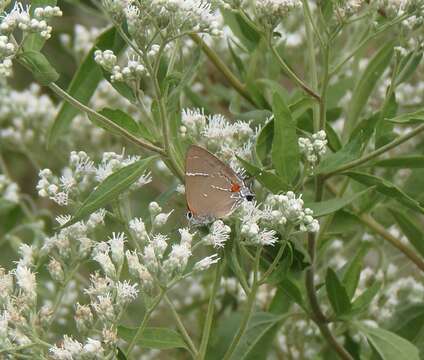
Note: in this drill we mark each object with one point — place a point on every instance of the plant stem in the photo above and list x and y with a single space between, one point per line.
61 292
210 312
145 320
274 263
379 229
312 60
182 328
104 120
292 74
378 152
249 308
221 66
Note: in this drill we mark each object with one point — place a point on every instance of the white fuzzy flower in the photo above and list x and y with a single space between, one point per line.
177 258
206 263
161 219
26 280
93 348
106 263
125 292
219 234
138 227
116 243
159 243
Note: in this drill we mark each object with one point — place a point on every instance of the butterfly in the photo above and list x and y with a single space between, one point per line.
213 189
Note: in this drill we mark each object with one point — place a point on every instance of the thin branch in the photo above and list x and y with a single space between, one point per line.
292 74
378 152
104 120
221 66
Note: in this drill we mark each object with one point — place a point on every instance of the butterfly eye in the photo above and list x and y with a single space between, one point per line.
249 197
189 215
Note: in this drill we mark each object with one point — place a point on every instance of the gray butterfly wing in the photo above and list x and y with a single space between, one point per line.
208 184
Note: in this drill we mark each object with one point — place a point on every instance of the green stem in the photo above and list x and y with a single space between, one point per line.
312 60
274 264
292 74
308 15
210 312
223 68
378 152
182 328
249 308
144 322
105 121
61 292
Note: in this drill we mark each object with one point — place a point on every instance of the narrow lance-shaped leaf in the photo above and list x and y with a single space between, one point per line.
336 293
153 338
353 271
389 345
400 162
362 302
285 148
84 82
327 207
409 118
411 228
125 121
268 179
259 326
40 67
110 188
386 188
368 81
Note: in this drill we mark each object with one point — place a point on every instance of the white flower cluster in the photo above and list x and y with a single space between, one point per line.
18 298
252 225
176 16
270 12
227 140
20 18
313 149
25 117
218 235
152 262
131 72
81 175
9 190
73 349
287 209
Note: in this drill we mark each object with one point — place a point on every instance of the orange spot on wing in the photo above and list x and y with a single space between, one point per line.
235 187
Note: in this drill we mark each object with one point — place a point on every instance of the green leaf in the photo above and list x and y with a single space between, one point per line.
84 83
247 35
34 41
327 207
408 65
259 327
400 162
285 148
110 188
346 154
411 228
121 354
408 322
386 188
292 290
121 87
408 118
362 302
153 337
353 271
389 345
334 142
268 179
337 294
125 121
40 67
368 82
